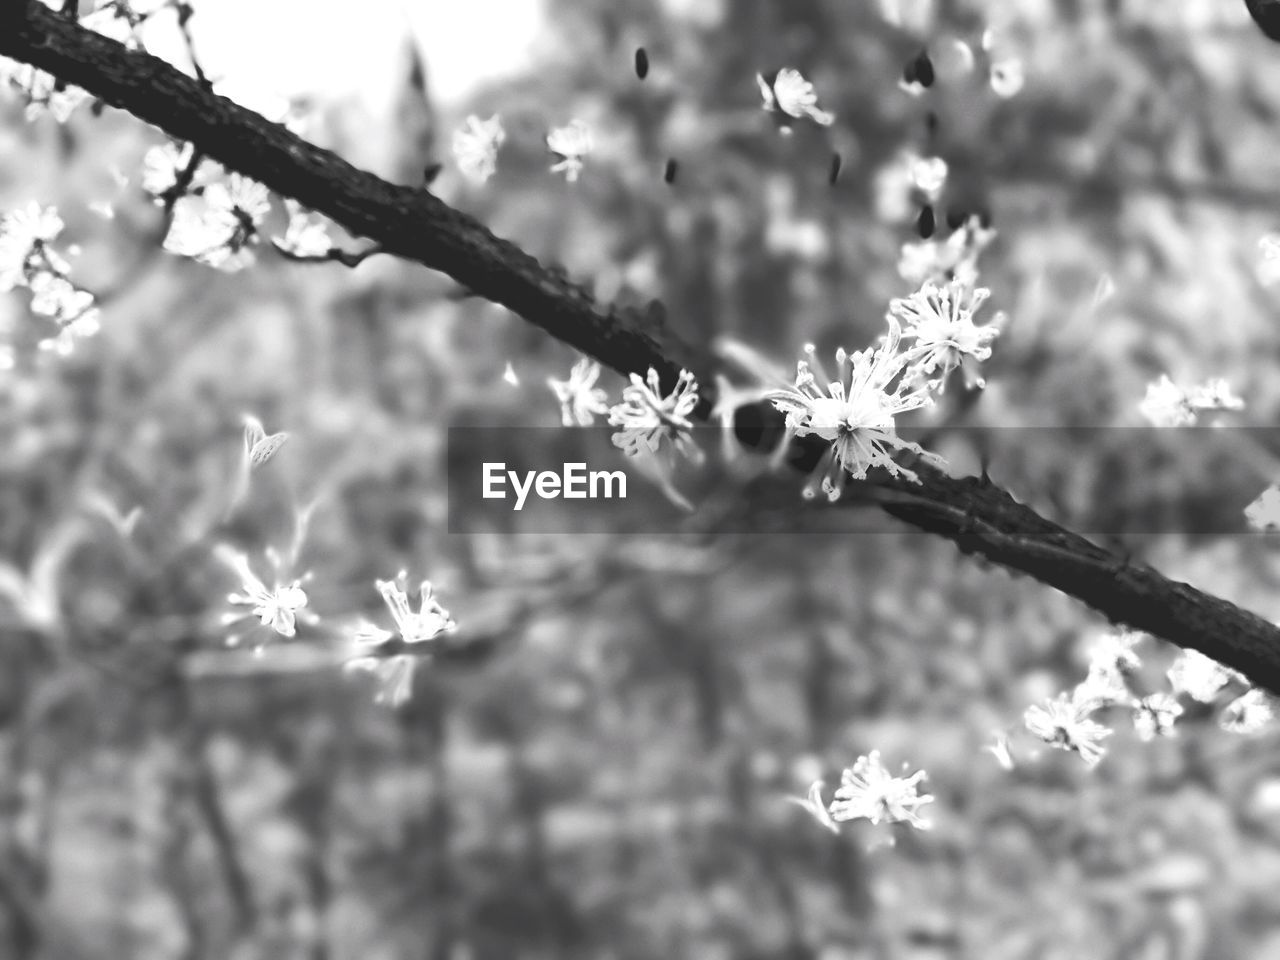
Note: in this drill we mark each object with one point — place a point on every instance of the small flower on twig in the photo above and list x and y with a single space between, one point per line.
392 657
307 235
855 411
939 319
648 418
1201 678
220 226
278 608
27 258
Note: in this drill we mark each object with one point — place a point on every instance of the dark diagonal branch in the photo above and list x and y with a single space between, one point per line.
407 222
410 223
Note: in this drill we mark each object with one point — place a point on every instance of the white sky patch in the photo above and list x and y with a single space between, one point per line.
328 49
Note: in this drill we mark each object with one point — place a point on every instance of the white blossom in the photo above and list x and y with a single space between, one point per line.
1063 722
929 174
307 233
648 418
1246 714
1165 404
940 321
1168 405
1214 394
1199 677
580 399
57 298
28 259
42 91
390 657
856 411
219 227
792 95
1113 651
164 164
23 233
868 791
476 145
570 143
278 607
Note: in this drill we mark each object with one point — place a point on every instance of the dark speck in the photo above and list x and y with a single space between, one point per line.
834 174
924 69
669 174
925 223
642 63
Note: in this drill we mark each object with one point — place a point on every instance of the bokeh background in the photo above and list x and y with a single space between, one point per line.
601 770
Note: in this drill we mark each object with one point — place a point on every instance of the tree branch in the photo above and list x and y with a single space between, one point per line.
412 224
407 222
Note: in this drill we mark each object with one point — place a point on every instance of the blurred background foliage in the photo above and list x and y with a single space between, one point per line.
601 770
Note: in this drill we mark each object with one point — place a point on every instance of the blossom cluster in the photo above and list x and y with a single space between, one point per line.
1070 721
28 259
930 334
219 226
1168 405
390 656
477 142
654 426
43 92
266 608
